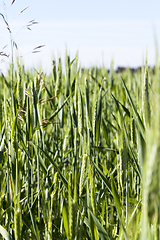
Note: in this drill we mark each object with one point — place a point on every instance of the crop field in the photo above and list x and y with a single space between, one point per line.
80 153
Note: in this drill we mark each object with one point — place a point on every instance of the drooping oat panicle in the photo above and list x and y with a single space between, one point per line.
4 19
23 10
12 2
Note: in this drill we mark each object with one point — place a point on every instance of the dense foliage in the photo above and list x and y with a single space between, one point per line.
79 153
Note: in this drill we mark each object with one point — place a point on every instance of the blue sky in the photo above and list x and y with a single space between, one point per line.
99 30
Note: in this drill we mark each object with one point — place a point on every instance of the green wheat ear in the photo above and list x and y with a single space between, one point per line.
70 207
80 113
133 131
83 174
94 122
92 187
17 219
59 78
74 116
87 100
19 87
145 98
67 75
54 73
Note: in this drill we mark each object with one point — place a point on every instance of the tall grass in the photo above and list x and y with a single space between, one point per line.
79 154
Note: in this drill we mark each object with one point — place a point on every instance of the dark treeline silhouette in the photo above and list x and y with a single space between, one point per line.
133 70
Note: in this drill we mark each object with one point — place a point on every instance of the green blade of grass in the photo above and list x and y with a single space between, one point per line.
65 217
4 233
56 167
137 117
102 176
118 204
59 109
35 227
133 158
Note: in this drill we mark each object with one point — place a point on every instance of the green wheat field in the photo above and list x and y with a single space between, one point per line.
80 153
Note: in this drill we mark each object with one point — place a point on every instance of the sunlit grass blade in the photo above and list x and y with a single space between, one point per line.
56 167
136 115
5 234
118 205
59 109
